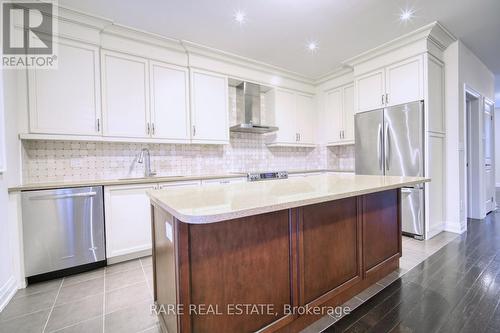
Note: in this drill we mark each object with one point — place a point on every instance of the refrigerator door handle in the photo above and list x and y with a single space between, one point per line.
387 146
379 146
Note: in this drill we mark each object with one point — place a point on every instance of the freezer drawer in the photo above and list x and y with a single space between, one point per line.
412 212
62 228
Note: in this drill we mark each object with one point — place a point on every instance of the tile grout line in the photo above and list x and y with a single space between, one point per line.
147 281
53 306
74 324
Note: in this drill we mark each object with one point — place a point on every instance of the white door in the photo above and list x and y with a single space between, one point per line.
348 113
125 96
67 100
305 118
489 157
404 81
169 102
209 109
370 91
285 117
334 116
128 219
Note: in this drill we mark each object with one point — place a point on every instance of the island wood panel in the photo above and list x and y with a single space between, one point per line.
330 248
381 228
165 258
243 261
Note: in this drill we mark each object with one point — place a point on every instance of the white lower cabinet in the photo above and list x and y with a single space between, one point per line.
128 219
224 181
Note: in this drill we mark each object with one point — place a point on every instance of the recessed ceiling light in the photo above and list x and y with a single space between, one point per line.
312 46
240 16
406 14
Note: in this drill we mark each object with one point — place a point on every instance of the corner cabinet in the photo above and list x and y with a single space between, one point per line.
399 83
209 108
340 115
294 115
67 100
128 219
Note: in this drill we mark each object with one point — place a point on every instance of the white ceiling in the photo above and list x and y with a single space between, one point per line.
277 31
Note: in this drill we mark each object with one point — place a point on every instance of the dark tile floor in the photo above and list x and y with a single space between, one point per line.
457 289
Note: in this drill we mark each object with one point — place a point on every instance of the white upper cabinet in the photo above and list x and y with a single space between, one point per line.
305 117
67 100
340 115
294 115
209 108
348 113
125 95
333 116
370 91
404 81
283 105
169 102
395 84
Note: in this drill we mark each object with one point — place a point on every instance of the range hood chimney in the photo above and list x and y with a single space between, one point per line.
248 112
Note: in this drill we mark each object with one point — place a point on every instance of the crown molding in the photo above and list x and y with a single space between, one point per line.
212 53
434 32
338 72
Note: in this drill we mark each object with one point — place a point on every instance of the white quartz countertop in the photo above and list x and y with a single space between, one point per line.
215 203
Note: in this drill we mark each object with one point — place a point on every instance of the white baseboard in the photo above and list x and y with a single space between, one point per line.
457 228
435 230
129 256
7 291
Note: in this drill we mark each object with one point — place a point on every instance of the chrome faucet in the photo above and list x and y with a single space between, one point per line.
147 163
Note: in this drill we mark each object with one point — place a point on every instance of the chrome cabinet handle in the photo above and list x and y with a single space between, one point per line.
148 130
98 125
382 99
153 128
387 146
379 146
194 130
387 98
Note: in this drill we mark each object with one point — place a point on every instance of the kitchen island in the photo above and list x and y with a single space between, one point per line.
274 255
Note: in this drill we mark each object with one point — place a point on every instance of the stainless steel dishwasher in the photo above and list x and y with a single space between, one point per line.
63 232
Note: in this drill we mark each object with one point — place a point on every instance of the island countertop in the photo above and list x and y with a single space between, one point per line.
216 203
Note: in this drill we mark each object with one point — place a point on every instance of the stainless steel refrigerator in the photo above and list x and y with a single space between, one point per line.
390 141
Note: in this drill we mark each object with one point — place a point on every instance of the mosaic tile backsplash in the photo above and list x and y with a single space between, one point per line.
46 161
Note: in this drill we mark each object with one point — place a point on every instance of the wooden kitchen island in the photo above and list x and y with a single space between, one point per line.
254 256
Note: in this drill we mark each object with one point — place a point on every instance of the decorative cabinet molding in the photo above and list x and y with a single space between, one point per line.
399 83
294 115
209 108
340 115
67 100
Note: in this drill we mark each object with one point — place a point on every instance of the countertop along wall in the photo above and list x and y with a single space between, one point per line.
47 161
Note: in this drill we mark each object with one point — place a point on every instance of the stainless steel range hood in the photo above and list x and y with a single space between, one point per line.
248 110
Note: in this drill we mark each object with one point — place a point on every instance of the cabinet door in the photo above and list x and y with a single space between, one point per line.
404 81
334 116
370 89
305 118
285 117
348 113
210 115
128 219
125 96
169 102
67 100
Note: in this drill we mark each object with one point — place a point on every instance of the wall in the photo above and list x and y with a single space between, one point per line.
45 161
9 245
462 68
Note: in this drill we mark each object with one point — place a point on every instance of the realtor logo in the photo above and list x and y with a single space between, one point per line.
28 34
